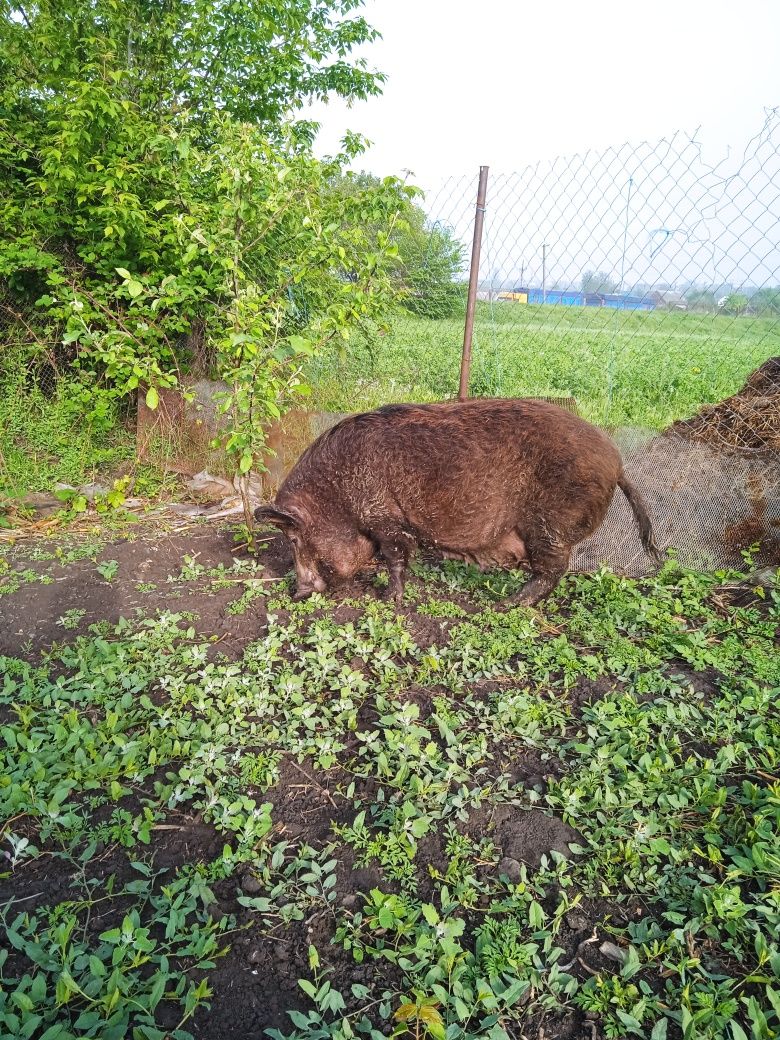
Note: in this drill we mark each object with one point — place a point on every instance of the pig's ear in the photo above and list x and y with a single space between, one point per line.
278 517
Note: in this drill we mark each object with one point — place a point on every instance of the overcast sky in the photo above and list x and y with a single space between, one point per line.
506 83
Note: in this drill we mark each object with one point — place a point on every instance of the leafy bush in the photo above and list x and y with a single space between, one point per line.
43 435
598 282
736 303
432 258
158 208
766 302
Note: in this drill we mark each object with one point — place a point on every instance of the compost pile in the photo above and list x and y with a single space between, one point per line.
747 423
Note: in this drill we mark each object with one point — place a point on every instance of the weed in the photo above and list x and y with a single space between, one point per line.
71 618
555 351
114 985
241 605
652 710
108 570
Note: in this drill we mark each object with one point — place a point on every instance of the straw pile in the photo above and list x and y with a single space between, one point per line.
747 423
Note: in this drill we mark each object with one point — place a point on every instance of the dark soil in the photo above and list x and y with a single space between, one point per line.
28 618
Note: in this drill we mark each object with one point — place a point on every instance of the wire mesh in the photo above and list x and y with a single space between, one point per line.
644 283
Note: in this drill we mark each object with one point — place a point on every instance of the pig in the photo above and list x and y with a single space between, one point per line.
497 482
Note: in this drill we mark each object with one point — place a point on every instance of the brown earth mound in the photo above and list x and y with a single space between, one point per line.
748 422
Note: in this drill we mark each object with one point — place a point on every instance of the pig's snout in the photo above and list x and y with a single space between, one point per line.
306 589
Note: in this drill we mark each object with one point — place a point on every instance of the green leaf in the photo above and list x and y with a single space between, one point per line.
22 1001
158 988
774 999
135 288
430 914
55 1032
386 917
420 826
308 988
686 1021
144 1032
152 398
632 964
630 1022
659 1030
299 1020
97 967
535 914
259 903
123 273
300 345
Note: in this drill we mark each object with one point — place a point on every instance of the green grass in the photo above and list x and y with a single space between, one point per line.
624 369
44 440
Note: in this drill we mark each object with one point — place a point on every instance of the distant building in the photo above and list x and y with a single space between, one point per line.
576 298
669 298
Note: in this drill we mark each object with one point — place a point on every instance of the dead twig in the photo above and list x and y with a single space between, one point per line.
587 967
24 899
313 783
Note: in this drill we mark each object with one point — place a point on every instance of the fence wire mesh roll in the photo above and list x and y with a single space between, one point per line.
641 285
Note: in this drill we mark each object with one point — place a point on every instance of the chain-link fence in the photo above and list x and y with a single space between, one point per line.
29 358
640 284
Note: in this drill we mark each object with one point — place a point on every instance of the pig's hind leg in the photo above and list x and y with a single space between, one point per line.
549 560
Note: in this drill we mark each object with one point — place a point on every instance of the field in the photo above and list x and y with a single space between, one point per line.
629 369
625 369
224 813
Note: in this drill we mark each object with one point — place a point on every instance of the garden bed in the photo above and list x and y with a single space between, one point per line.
224 807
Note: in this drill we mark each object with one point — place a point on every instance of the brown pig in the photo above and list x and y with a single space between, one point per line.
496 482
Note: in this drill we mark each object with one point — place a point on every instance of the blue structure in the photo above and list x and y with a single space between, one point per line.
624 302
575 298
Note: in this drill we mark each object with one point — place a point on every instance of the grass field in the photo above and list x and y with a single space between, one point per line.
624 369
222 812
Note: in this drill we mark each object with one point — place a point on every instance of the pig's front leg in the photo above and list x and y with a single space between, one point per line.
394 547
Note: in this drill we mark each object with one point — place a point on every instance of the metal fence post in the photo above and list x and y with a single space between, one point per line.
468 331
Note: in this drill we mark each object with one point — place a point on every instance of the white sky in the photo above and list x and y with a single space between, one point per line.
506 83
